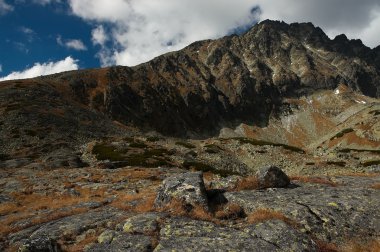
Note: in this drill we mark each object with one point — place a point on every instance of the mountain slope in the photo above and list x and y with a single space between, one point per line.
195 92
213 84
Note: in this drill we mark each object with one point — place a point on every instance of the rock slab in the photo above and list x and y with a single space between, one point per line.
186 187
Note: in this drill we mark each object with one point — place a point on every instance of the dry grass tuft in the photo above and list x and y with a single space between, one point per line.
247 183
177 207
376 186
230 211
145 201
326 247
314 180
78 247
264 214
372 246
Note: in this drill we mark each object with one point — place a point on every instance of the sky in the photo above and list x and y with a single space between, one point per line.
40 37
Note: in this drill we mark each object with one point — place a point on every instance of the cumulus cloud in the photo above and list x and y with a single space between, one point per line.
75 44
39 69
5 8
99 36
143 29
357 19
138 30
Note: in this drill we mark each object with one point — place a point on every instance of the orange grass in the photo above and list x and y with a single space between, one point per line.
372 246
314 180
376 186
247 183
264 214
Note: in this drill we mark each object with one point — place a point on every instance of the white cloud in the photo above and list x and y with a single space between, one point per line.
44 69
139 30
29 33
99 36
1 68
5 8
143 29
357 19
75 44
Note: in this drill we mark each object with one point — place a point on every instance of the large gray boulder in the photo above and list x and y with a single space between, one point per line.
272 177
186 187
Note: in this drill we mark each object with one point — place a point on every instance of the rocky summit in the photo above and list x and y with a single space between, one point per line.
265 141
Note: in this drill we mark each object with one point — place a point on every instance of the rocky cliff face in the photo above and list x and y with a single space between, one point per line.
216 83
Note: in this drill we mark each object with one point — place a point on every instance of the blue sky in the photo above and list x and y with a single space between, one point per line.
39 37
30 34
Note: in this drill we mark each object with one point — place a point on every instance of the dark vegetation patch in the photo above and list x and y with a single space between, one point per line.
375 112
108 152
342 133
370 162
185 144
152 139
212 148
337 163
121 157
4 157
137 145
348 150
257 142
31 133
199 166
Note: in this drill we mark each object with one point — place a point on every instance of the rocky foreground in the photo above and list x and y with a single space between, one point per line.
169 209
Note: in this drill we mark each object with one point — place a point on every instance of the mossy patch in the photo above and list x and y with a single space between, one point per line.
185 144
108 152
149 158
121 157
